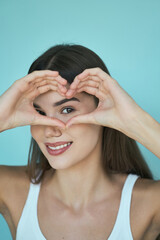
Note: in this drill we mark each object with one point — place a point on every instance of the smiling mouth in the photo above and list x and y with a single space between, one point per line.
57 150
60 146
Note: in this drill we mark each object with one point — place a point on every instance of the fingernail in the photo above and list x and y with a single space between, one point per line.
69 92
73 86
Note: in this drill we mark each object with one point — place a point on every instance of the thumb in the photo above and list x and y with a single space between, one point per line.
84 118
47 121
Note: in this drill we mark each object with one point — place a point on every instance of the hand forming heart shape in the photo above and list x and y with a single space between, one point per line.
115 109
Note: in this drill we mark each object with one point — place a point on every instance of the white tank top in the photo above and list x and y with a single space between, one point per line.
28 226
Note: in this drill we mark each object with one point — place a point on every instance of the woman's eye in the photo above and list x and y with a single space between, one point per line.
67 110
40 112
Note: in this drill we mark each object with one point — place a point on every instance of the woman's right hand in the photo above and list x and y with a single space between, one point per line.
16 104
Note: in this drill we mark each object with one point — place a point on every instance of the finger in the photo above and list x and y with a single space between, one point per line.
61 80
93 91
88 89
74 83
77 81
40 90
45 82
58 79
88 83
106 79
108 84
62 89
43 120
37 90
86 118
94 78
40 74
93 72
70 93
26 83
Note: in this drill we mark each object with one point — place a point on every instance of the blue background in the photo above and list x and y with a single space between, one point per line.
125 34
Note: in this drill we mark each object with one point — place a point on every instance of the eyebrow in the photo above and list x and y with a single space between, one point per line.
59 102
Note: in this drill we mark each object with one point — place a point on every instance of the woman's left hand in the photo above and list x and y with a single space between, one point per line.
116 109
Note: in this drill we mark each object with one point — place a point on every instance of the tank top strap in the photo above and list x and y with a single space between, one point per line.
122 228
127 191
28 219
33 194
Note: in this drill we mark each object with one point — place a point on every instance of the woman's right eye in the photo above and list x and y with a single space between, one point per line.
40 112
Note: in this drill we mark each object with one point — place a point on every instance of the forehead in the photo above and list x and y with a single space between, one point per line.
52 97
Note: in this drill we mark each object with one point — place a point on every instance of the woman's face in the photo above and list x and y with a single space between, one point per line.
65 148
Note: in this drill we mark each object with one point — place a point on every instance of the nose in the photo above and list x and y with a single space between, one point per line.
52 132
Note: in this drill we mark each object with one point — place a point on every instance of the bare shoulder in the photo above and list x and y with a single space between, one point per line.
149 187
148 193
154 194
14 182
145 208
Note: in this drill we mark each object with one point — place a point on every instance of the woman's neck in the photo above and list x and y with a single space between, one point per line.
81 184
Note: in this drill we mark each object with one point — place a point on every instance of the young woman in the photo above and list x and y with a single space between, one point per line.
86 178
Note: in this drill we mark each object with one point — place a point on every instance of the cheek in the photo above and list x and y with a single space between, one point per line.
36 132
87 136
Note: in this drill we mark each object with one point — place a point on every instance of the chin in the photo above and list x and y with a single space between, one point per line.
63 163
60 166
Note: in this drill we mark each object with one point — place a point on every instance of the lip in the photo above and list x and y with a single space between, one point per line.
57 151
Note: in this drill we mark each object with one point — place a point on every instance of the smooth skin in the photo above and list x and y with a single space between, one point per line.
17 102
116 109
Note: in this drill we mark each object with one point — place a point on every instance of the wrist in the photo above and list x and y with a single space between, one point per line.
3 126
146 130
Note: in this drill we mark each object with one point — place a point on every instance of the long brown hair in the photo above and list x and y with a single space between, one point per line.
120 154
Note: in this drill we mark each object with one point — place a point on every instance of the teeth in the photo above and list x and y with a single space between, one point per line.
59 147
